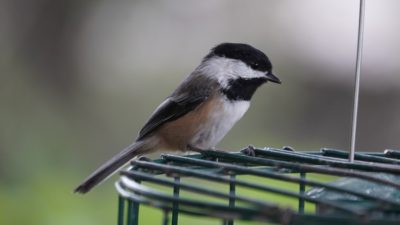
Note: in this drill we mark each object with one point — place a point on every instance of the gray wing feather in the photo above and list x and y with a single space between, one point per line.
190 94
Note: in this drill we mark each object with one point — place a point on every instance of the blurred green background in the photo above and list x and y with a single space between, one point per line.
79 79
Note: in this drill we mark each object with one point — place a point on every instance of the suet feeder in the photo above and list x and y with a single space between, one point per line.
219 184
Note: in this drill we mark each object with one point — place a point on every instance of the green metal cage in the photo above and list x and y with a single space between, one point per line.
320 187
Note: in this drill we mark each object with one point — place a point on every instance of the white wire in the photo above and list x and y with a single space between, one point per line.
357 78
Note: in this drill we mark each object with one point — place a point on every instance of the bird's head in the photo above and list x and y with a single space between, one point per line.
238 66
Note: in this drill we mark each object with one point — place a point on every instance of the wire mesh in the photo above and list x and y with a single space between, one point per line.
366 191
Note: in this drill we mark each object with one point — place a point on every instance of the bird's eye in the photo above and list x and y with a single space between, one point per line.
254 65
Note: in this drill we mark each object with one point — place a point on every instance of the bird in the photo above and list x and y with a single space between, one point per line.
201 110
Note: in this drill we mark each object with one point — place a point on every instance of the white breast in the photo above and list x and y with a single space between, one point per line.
219 123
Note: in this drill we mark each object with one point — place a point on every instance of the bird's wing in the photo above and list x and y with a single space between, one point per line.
189 95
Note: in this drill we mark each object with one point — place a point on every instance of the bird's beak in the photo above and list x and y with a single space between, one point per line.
271 77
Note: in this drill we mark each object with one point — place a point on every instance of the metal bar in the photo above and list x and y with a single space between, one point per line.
251 171
292 219
133 197
308 219
320 160
160 181
302 189
129 218
392 153
384 203
133 212
359 156
175 205
302 167
216 178
136 213
357 78
165 217
232 193
274 214
312 157
121 210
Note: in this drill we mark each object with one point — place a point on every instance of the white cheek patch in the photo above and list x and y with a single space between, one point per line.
224 69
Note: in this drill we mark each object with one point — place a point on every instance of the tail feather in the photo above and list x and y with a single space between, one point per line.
111 166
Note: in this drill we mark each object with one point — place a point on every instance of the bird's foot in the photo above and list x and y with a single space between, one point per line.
195 149
144 158
288 148
249 151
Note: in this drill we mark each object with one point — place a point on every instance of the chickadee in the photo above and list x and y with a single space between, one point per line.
201 110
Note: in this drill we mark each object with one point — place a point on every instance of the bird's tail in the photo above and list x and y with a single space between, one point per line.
112 165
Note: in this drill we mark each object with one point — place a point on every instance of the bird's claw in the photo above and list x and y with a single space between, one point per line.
249 151
144 158
288 148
